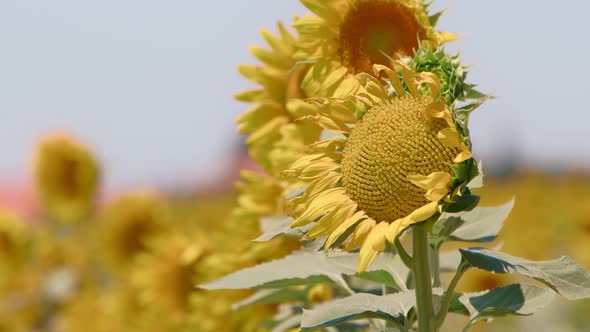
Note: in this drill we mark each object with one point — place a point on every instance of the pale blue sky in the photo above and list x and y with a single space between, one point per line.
149 83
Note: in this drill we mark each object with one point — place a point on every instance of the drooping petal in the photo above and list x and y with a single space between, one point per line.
342 228
374 243
436 184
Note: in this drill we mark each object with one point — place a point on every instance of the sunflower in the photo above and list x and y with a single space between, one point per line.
14 237
260 195
53 271
90 306
127 223
350 36
320 293
67 176
478 280
274 135
165 275
391 167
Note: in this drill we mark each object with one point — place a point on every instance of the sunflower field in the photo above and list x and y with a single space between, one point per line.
356 201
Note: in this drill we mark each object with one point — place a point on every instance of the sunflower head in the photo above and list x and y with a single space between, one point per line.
67 175
129 222
394 140
320 293
274 135
260 195
166 274
90 306
350 36
478 281
401 159
14 237
372 29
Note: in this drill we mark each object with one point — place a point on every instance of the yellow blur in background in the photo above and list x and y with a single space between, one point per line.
131 263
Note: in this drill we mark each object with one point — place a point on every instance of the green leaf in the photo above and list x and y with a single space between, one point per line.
444 227
562 275
381 277
287 317
456 306
516 299
465 110
267 296
463 203
435 17
289 323
392 307
278 225
472 93
303 267
300 268
477 180
482 224
388 269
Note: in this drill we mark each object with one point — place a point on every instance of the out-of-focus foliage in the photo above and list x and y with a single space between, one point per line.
551 218
67 176
132 263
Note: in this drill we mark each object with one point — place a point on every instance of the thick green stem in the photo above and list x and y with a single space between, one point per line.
446 302
422 280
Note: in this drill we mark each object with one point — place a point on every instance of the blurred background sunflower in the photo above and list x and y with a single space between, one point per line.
146 102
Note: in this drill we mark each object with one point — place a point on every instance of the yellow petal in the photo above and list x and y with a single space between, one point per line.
438 110
360 233
307 21
322 184
322 9
325 147
436 184
334 77
347 88
250 96
393 78
464 155
432 80
268 131
305 161
393 230
341 112
257 116
445 37
436 194
271 58
374 243
373 87
325 122
410 79
450 137
420 214
332 220
299 108
318 168
330 199
342 228
275 42
433 180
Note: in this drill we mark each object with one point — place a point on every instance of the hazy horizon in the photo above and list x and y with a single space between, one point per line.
148 84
